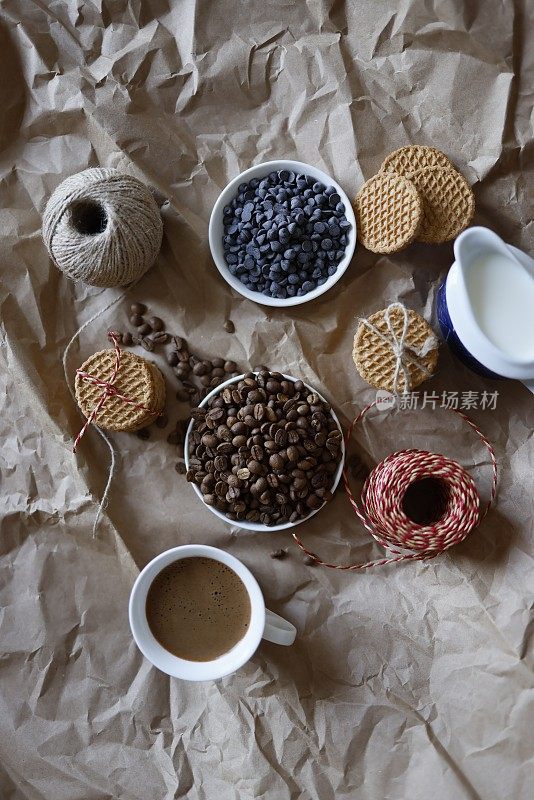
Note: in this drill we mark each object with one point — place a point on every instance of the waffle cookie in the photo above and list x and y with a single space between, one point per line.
448 203
388 213
138 380
376 349
406 160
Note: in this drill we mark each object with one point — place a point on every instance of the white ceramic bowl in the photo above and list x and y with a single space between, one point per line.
256 526
216 231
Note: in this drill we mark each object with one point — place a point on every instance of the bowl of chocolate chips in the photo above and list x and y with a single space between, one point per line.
264 451
282 233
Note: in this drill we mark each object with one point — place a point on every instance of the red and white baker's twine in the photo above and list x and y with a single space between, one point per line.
382 514
109 389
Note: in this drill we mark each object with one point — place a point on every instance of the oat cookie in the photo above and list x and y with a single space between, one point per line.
138 380
388 213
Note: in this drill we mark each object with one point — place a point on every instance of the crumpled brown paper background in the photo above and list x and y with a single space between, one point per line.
408 681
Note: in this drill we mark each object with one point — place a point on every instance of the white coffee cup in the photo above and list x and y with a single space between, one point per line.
263 623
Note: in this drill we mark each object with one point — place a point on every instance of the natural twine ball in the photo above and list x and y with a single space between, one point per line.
102 227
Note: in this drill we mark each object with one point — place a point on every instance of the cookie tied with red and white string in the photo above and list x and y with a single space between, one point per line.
119 391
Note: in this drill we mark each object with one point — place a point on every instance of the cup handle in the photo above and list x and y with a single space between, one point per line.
278 630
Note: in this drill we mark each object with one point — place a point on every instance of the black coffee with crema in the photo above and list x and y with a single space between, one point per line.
198 608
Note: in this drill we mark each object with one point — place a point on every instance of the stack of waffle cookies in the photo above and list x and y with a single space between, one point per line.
417 195
139 391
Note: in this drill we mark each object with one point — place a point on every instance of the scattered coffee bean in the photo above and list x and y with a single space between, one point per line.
127 339
181 469
143 434
281 553
145 329
160 337
229 326
148 344
162 421
156 324
137 320
138 308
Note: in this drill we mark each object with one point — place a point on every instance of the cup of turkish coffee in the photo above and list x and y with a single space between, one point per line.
197 613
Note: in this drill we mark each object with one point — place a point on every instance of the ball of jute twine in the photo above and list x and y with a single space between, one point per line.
102 227
381 510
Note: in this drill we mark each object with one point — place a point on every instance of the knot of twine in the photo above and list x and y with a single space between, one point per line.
382 513
102 227
109 389
403 353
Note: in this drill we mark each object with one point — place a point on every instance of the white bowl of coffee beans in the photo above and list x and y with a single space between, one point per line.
264 451
282 233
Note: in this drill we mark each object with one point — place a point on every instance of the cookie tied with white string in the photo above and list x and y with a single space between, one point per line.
395 349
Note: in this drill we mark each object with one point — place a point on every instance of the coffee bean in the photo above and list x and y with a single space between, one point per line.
138 308
229 326
145 329
160 338
162 421
181 470
200 368
280 553
137 320
148 344
276 461
243 474
144 434
179 343
156 323
280 437
230 366
218 362
127 339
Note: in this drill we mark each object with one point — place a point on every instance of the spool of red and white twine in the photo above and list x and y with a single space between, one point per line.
381 511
